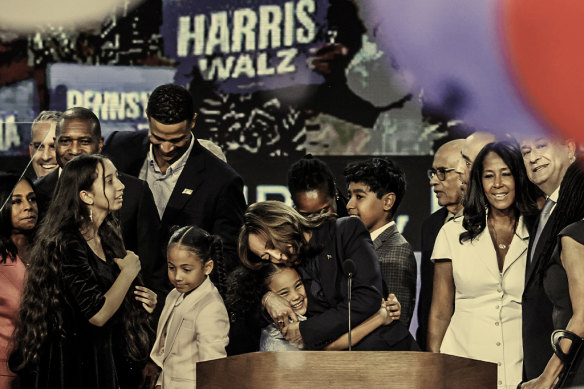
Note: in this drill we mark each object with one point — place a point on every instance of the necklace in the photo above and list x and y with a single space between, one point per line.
499 244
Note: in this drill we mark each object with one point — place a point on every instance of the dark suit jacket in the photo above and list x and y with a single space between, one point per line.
208 193
398 269
140 227
536 310
326 288
430 229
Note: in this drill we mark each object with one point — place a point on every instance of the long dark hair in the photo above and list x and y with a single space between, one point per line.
7 184
569 209
43 300
476 204
207 247
279 224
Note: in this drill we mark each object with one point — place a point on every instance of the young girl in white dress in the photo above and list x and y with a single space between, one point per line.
194 324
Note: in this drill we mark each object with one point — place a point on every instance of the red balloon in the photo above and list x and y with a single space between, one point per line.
544 42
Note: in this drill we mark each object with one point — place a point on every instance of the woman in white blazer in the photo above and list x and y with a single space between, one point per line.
480 266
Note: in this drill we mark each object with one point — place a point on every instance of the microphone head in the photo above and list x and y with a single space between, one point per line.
349 267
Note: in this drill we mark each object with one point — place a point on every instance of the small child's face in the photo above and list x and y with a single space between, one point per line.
371 210
186 270
288 284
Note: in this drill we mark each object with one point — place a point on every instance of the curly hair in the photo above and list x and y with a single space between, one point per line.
170 104
569 209
207 247
381 175
43 300
476 204
7 184
279 224
308 174
246 287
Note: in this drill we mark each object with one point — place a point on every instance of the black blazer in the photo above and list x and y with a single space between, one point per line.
430 229
326 288
140 227
208 193
537 325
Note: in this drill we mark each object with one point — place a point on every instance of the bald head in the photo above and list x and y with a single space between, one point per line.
471 147
448 190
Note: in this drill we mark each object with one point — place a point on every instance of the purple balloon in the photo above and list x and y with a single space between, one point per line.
454 50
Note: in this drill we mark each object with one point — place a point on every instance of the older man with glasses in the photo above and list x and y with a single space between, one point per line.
446 185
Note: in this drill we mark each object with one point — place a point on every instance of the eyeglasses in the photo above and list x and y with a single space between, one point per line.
440 173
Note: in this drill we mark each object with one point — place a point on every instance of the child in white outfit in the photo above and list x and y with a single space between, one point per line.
194 324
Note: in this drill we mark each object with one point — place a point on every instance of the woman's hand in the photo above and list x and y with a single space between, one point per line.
146 297
129 265
279 310
293 335
393 308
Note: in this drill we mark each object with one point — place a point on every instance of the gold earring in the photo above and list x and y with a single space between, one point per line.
91 214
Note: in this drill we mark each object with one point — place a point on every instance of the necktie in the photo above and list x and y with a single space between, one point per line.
543 218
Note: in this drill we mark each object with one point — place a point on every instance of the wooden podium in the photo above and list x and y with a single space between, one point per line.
346 369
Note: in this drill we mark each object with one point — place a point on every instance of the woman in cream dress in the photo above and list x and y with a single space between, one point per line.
480 266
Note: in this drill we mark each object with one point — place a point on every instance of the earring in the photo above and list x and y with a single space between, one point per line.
91 214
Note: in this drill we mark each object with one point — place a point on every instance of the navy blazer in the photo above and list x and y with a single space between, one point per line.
430 229
326 286
537 324
140 227
208 193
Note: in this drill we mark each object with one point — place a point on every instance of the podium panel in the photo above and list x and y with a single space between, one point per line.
344 369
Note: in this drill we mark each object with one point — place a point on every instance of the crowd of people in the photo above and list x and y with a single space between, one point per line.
125 263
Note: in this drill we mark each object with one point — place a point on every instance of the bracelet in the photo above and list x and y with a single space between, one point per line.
266 297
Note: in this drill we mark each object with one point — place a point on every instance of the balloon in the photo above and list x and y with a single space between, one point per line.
544 44
453 49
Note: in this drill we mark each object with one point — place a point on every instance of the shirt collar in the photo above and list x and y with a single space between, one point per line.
380 230
554 195
177 165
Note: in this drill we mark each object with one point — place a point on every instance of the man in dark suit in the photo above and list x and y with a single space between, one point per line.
376 188
546 161
79 132
446 186
190 185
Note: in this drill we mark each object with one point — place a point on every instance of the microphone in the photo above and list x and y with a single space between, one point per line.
349 269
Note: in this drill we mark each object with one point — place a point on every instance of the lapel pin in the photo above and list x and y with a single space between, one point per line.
329 256
187 192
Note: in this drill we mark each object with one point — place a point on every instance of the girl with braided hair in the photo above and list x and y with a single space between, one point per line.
194 325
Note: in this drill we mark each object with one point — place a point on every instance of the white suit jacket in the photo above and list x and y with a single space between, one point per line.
198 331
486 323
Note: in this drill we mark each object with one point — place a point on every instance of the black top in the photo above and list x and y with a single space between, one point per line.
82 355
556 280
556 286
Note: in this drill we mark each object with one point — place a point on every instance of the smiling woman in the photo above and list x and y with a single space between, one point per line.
18 218
480 265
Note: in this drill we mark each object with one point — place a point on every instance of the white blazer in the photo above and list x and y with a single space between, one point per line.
486 323
198 331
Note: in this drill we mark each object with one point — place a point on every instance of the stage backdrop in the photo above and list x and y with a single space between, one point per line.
272 80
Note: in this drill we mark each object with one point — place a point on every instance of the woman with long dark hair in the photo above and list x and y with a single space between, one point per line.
80 325
18 219
480 266
562 270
